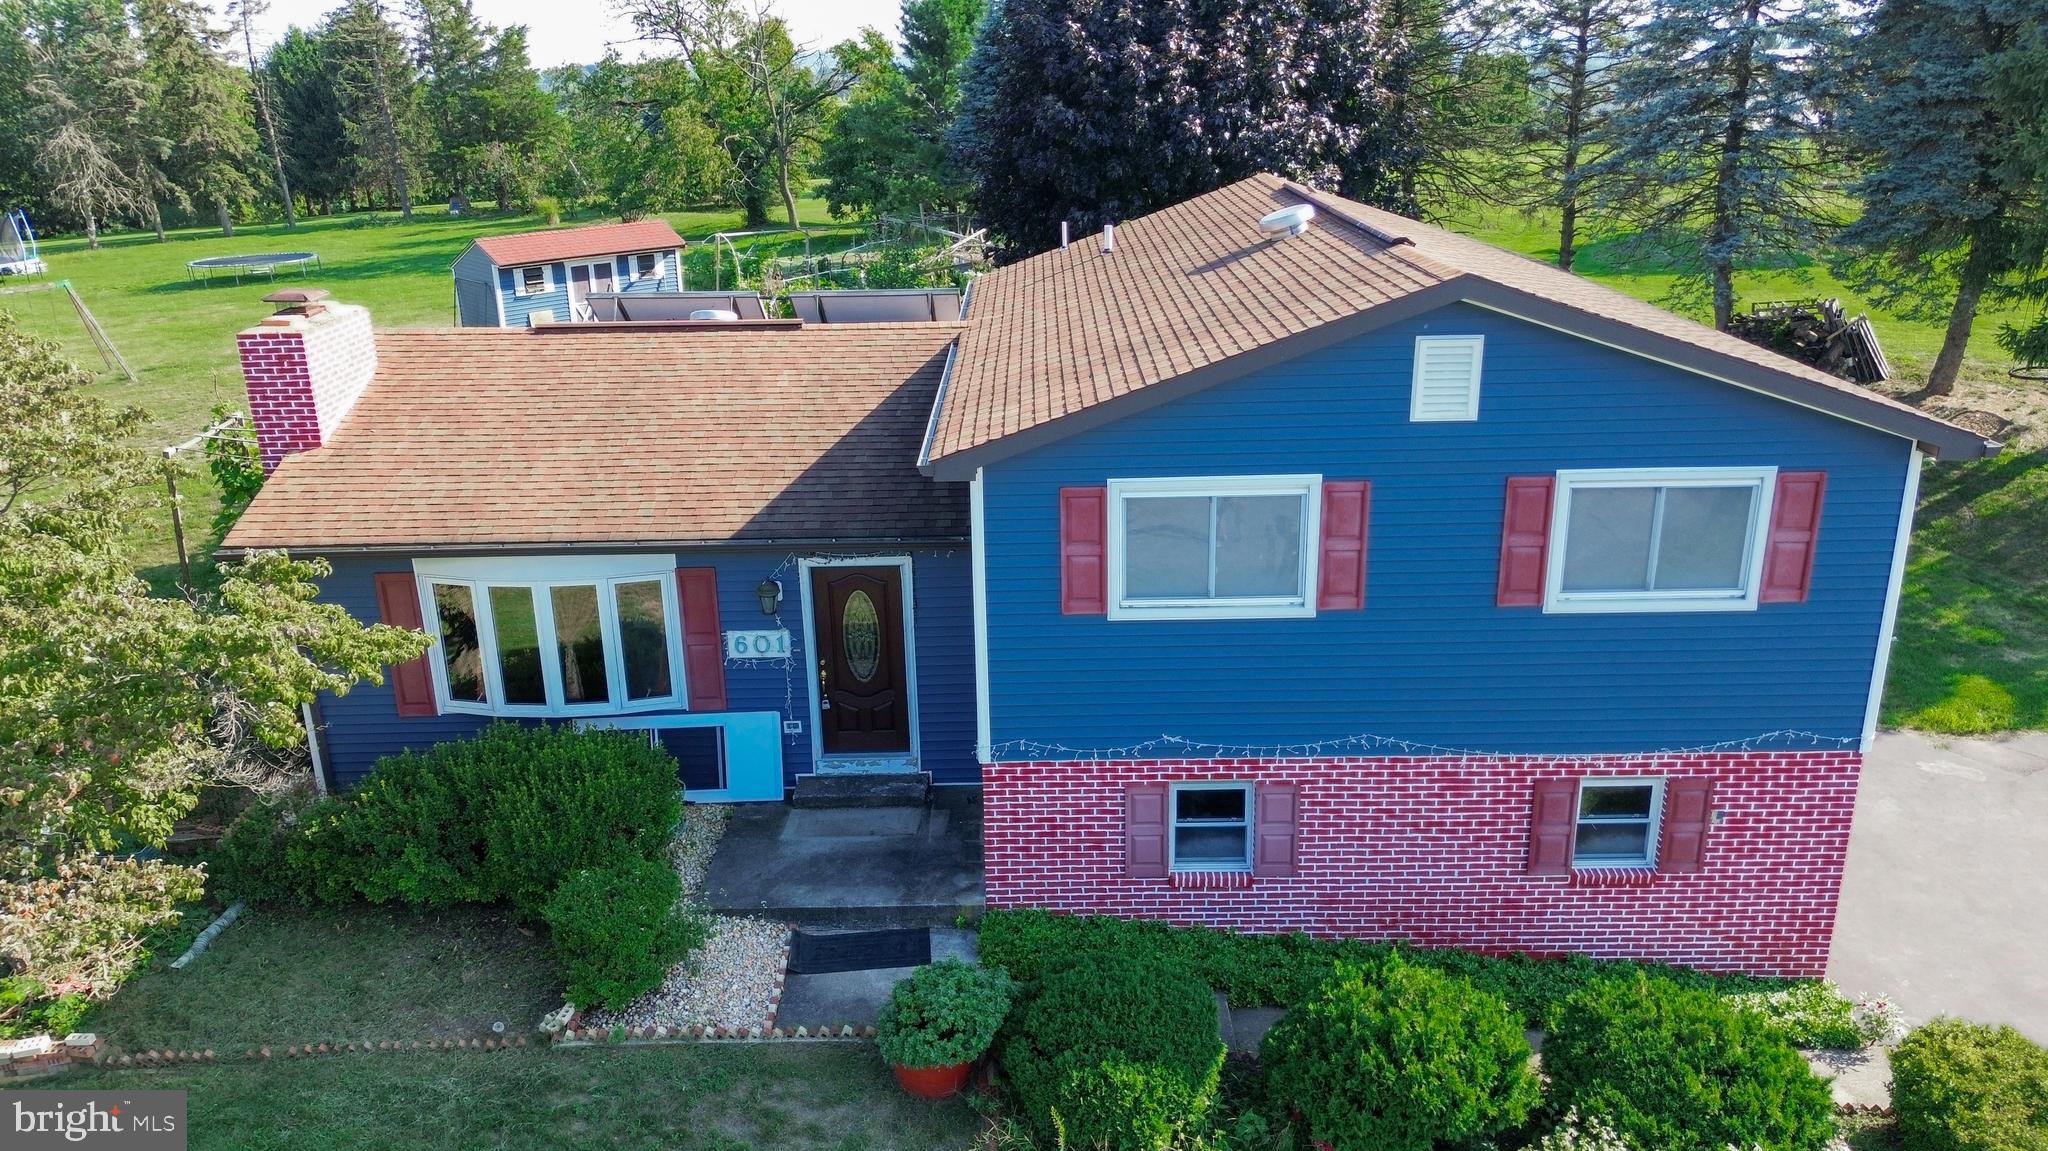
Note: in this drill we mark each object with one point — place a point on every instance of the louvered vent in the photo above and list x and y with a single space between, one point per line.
1446 378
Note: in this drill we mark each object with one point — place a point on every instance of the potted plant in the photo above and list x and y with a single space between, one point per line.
939 1021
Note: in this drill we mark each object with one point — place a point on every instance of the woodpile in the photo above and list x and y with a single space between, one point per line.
1816 332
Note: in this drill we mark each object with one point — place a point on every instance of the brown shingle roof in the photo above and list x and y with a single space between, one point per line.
488 437
1193 290
576 243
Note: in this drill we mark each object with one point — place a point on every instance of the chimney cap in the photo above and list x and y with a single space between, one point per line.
296 297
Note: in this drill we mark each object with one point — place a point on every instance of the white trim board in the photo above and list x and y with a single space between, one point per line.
821 764
1881 661
984 728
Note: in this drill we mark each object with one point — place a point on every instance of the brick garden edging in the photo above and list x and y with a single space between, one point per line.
40 1055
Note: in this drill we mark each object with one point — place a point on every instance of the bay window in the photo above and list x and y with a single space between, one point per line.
554 636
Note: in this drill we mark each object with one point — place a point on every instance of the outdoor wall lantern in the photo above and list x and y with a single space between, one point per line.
770 593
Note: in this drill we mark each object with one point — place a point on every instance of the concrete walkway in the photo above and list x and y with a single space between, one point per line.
1945 901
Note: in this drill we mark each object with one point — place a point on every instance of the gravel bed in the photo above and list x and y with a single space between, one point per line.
696 839
728 982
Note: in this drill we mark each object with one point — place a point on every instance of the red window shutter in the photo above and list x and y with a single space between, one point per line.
1553 821
1340 571
1688 809
398 603
1084 532
1279 812
1524 541
703 645
1795 529
1145 831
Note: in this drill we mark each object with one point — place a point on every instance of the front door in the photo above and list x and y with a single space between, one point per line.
863 689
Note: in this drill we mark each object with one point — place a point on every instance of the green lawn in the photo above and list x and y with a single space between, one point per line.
718 1098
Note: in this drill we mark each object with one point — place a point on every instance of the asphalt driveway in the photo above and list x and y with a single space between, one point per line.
1945 902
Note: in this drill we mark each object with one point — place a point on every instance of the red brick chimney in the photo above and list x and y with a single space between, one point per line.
305 367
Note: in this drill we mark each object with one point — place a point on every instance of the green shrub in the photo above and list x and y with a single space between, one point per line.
1960 1086
1677 1069
249 861
26 1008
1818 1015
1282 970
1400 1058
946 1013
618 929
416 824
321 861
1115 1052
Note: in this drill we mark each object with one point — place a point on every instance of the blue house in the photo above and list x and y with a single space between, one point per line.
546 277
1278 563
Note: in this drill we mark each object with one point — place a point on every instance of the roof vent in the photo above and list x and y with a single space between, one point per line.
1108 239
1287 221
298 301
725 315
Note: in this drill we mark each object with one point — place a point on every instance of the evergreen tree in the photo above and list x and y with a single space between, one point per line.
201 105
245 12
1576 48
1720 159
450 47
1956 182
319 157
88 104
374 83
1460 96
518 120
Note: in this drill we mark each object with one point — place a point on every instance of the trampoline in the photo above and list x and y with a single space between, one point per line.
263 264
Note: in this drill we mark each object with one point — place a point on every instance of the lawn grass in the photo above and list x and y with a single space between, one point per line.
786 1097
284 976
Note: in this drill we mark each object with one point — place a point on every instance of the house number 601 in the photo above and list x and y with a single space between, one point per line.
757 644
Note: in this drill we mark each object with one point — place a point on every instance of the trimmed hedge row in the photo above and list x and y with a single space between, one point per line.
564 825
1960 1086
1282 970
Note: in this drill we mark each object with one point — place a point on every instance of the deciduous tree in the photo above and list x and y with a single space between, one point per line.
201 105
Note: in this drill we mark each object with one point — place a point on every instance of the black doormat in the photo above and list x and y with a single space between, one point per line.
822 952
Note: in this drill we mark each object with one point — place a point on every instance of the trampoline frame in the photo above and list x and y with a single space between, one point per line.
264 264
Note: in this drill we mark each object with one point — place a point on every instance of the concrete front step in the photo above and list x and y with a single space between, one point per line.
863 789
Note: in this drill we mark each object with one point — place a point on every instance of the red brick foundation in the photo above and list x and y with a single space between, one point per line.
1433 850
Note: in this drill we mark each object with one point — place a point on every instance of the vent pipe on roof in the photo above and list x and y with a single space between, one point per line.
1108 239
1063 235
1287 221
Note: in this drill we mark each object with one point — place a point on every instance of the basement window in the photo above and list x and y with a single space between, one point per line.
1617 822
1212 827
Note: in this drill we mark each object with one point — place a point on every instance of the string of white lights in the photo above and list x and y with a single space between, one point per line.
1178 747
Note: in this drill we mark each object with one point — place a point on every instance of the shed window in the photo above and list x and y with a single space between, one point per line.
1212 827
533 279
1687 539
647 266
1617 824
1212 548
582 642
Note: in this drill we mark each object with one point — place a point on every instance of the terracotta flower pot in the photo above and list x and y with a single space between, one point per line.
933 1082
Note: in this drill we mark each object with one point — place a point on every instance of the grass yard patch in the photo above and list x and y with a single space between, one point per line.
284 976
790 1097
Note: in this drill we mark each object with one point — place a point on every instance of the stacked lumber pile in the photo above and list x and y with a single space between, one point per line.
1816 332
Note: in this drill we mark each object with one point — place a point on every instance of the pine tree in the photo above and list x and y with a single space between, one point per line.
518 119
1576 48
245 12
318 155
87 106
201 105
1721 160
450 47
1958 170
375 84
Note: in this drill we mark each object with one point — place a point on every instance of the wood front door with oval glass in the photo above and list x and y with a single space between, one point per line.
863 687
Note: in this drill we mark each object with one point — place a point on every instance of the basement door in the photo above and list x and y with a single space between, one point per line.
863 671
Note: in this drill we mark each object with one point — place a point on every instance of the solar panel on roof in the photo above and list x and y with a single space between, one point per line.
630 306
877 305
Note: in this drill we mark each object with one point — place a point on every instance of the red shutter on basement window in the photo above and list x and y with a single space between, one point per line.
1688 810
703 646
1524 541
1279 812
1340 572
1145 831
398 604
1553 821
1795 529
1084 531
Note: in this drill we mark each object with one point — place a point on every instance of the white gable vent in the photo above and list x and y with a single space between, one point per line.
1446 378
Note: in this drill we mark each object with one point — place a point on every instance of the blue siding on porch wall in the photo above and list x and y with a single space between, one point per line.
1431 659
365 725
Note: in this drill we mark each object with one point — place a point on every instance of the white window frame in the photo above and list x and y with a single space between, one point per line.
538 575
1556 599
1309 487
1173 793
1415 413
547 280
1652 834
633 267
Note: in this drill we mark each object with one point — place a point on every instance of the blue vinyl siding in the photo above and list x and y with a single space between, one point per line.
519 309
365 725
1431 660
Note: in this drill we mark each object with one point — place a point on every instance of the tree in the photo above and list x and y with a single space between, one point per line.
319 158
375 84
518 119
88 102
886 151
638 138
1576 48
1088 112
1721 159
115 706
201 106
245 12
1459 97
449 48
1957 174
18 185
